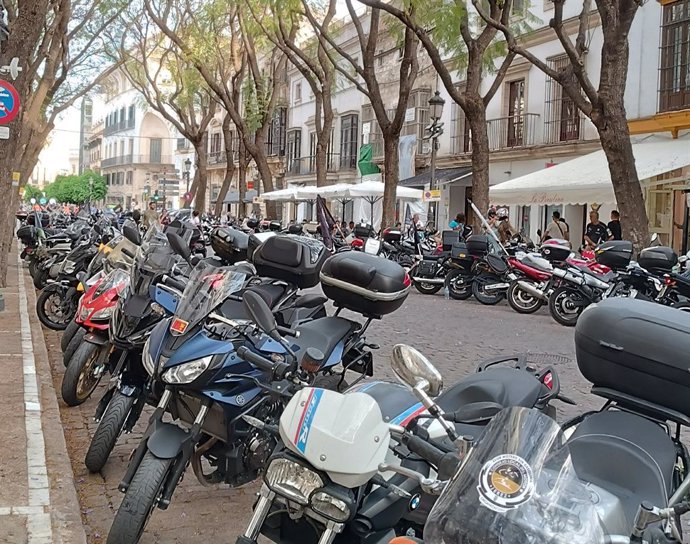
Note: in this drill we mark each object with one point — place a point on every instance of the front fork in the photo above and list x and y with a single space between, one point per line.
261 510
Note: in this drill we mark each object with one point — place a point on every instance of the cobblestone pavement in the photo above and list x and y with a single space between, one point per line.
454 335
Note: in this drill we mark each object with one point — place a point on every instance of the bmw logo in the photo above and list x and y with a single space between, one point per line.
414 502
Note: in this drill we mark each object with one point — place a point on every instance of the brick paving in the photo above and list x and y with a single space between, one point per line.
454 335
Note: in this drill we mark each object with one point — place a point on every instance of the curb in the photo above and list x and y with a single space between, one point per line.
65 510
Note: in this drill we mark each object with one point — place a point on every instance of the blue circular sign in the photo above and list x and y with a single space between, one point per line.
9 102
42 201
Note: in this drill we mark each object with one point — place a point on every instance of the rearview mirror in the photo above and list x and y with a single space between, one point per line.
178 245
132 234
415 370
261 314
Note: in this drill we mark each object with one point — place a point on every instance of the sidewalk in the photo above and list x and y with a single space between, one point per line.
38 501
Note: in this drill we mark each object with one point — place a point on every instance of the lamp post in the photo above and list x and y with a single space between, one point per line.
435 129
187 169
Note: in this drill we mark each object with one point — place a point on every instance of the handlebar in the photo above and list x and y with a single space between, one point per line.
174 283
256 359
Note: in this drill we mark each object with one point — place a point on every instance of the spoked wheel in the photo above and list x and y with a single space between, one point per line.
109 429
566 305
54 310
427 288
521 301
82 374
459 284
140 500
481 289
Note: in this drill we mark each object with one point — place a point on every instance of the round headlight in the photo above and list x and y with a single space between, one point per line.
330 507
292 480
187 372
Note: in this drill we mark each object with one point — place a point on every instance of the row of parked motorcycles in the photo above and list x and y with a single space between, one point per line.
250 377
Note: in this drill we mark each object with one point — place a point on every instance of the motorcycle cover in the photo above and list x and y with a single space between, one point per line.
517 486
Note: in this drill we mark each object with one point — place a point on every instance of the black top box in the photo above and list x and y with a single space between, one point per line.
636 348
450 237
294 259
363 231
230 244
555 253
391 235
660 259
364 283
616 254
478 245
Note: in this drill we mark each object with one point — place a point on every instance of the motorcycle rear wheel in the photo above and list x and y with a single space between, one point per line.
563 307
108 430
52 310
521 301
459 284
427 288
140 500
481 294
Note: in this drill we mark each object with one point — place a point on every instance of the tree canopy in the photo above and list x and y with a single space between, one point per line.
75 189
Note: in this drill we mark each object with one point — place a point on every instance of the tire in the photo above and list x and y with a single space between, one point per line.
33 267
459 284
521 301
75 387
41 278
479 292
140 500
108 431
68 333
52 310
683 306
76 341
561 308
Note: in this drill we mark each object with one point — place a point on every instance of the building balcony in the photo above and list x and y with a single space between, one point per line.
303 166
123 160
513 131
126 124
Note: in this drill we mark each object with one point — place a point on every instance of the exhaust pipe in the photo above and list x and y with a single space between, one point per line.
434 281
531 289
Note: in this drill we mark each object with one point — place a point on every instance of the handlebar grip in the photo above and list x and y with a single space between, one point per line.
425 450
172 282
255 359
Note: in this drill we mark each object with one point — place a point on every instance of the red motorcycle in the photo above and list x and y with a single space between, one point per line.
82 358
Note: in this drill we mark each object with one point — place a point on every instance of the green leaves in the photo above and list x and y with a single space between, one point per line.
75 189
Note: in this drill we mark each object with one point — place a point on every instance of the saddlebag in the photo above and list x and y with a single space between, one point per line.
294 259
366 284
636 348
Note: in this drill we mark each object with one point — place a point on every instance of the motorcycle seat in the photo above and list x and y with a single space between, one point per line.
627 455
234 309
323 334
309 301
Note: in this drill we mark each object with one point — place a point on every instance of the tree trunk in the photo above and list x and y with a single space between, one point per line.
476 117
264 173
242 182
229 166
321 160
202 169
391 162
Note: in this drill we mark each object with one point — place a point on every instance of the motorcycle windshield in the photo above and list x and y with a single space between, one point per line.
517 486
116 279
207 288
153 258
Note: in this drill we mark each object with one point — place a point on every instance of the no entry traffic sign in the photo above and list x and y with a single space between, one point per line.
9 102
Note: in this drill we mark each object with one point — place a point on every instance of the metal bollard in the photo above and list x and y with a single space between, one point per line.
2 302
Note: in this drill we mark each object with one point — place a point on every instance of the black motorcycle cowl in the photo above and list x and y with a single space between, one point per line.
637 348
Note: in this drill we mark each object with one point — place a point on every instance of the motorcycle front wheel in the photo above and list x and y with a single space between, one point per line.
73 346
53 310
566 305
71 329
521 301
41 278
141 498
108 430
82 374
459 284
482 293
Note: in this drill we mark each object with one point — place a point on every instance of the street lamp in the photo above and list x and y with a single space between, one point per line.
435 129
187 168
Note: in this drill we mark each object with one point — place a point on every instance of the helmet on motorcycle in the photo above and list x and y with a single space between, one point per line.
503 213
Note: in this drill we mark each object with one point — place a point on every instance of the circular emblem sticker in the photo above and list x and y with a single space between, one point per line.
505 482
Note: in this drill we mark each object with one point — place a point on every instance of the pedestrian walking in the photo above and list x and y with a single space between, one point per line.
557 228
150 215
615 226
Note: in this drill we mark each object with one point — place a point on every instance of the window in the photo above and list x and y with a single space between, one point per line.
516 112
131 146
155 149
349 126
215 142
128 179
294 151
674 67
131 116
562 118
298 93
312 152
123 112
518 8
275 146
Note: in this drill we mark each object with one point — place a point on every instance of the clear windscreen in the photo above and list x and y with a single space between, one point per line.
518 486
154 257
207 288
112 280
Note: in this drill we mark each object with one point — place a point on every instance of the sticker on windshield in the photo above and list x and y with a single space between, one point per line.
178 326
505 482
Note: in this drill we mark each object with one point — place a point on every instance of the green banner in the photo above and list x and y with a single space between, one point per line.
365 164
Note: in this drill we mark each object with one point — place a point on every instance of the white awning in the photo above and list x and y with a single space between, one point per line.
587 179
